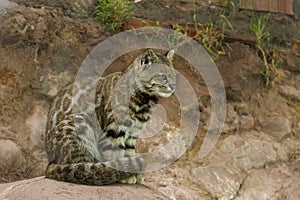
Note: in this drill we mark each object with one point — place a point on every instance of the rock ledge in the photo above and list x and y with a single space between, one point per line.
43 188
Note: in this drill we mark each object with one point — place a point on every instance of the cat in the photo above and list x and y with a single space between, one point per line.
79 152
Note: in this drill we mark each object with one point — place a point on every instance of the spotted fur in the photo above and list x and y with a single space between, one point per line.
95 145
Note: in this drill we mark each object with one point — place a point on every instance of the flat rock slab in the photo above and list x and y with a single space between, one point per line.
43 188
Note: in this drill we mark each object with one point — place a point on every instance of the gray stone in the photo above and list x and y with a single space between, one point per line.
277 126
248 153
5 5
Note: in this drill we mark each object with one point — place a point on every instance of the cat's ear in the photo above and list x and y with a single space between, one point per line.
145 58
170 54
148 57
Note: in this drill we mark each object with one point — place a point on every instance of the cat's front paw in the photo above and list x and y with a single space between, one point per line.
134 179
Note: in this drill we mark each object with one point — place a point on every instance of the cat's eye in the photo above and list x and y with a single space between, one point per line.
163 77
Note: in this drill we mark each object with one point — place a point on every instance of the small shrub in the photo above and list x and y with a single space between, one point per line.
258 26
267 51
113 13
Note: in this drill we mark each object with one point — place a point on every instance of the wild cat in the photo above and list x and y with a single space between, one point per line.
80 153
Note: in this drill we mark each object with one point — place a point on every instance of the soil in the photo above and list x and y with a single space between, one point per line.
283 28
42 47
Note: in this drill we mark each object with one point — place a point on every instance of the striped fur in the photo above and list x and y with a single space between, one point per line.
99 148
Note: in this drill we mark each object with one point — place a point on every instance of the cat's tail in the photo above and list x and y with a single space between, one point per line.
96 173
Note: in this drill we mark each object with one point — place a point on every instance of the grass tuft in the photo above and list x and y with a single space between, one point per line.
113 13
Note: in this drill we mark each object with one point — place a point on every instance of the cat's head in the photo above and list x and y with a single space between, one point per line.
155 73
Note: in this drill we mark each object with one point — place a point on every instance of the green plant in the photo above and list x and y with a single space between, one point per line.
207 34
113 13
226 14
271 61
258 26
211 39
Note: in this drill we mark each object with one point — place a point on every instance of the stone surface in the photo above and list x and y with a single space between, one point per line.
248 153
276 126
292 60
180 193
52 82
10 153
42 188
273 183
296 129
291 191
246 123
36 123
5 6
78 8
221 179
231 121
289 92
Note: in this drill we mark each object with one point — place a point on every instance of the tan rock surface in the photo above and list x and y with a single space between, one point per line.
43 188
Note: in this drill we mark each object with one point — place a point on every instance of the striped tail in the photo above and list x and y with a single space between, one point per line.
96 173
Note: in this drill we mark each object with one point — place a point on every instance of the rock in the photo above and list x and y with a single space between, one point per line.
36 123
231 121
9 85
4 6
277 126
178 193
248 153
221 179
291 62
292 191
282 153
10 154
77 8
53 82
291 146
273 183
43 188
246 123
289 92
296 129
177 182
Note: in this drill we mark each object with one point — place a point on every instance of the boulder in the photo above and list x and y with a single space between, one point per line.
43 188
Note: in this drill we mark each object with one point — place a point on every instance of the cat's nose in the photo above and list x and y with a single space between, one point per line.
172 87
